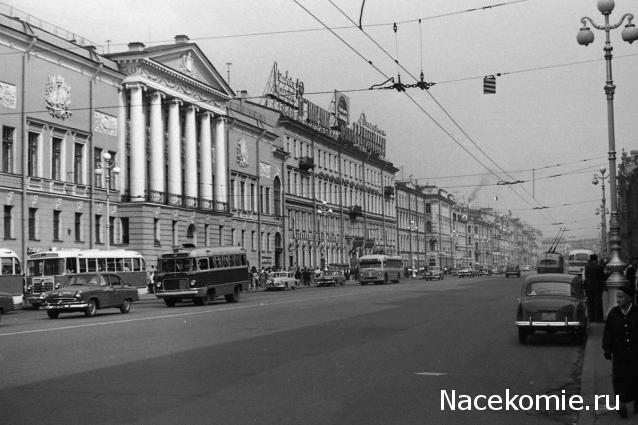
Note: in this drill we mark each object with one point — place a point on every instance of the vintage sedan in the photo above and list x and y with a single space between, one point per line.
552 302
283 280
512 270
434 272
88 292
331 278
6 303
466 272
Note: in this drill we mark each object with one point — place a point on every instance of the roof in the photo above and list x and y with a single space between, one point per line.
551 277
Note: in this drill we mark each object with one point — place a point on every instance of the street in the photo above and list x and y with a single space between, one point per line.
345 355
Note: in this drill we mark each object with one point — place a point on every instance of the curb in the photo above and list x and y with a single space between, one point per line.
588 375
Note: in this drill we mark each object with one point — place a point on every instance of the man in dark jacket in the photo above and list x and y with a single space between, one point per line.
594 285
620 345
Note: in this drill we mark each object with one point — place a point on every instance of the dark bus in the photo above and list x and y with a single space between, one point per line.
201 275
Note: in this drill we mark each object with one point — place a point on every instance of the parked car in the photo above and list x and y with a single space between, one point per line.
527 268
466 272
552 302
331 278
89 292
485 272
283 280
496 270
512 270
434 272
6 303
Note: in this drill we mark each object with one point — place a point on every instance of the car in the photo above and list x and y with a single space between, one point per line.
6 303
331 278
512 270
283 280
552 302
434 272
89 292
496 270
485 272
466 272
527 268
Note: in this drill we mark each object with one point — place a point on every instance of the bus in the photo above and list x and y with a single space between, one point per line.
49 270
577 260
201 274
11 276
551 262
379 268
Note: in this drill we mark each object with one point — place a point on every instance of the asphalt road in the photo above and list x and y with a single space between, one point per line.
346 355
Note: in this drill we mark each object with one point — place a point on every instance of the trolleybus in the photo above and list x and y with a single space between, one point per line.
379 268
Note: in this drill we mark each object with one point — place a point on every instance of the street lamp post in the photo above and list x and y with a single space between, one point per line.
322 211
603 230
108 166
585 37
413 228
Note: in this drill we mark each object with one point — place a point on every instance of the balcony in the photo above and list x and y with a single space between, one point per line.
306 163
388 191
355 211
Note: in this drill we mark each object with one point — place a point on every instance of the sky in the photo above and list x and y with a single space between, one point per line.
545 127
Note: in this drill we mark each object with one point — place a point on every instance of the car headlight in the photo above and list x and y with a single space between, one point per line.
270 282
78 294
158 284
193 282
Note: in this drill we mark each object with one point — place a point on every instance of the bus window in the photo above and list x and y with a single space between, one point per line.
218 261
225 261
211 262
71 265
7 266
82 263
202 263
18 269
243 260
119 265
136 265
142 264
110 264
91 264
128 264
101 264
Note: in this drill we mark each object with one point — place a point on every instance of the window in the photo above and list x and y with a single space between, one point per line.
56 158
98 228
8 137
125 229
8 221
33 224
242 195
32 153
232 194
111 230
156 231
428 208
112 180
56 225
174 232
97 157
267 200
78 227
251 201
78 163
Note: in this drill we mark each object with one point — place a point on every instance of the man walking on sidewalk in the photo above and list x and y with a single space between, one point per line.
594 285
620 345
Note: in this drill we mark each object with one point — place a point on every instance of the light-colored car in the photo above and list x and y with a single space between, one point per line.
466 272
434 272
281 281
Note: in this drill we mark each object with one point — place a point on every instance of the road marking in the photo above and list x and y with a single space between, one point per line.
431 373
259 304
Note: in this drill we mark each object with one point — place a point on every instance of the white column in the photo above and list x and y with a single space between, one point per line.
157 149
221 173
174 154
190 157
138 144
206 164
121 138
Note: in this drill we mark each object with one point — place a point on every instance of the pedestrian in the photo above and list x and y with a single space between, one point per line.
620 345
594 286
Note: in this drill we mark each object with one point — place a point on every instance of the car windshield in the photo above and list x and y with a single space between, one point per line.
550 288
331 273
280 274
87 280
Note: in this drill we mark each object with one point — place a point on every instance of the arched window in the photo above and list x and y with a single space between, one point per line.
191 234
277 195
428 227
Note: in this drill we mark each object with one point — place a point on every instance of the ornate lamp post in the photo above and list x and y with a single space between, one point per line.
603 229
108 165
586 36
413 228
322 211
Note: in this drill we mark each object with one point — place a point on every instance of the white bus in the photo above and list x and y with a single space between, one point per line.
49 270
379 268
577 260
11 275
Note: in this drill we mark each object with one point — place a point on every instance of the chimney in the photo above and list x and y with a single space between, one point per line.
136 46
181 39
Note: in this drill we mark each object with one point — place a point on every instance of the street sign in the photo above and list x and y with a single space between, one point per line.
489 84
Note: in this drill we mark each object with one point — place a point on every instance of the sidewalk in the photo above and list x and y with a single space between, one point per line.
596 380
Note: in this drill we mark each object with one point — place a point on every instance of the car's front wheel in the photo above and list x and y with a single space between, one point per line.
53 314
91 308
125 307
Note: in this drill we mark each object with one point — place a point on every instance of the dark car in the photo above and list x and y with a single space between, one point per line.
466 272
512 270
434 272
88 292
552 302
331 278
6 303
